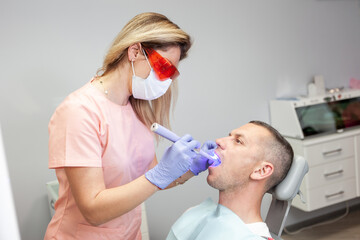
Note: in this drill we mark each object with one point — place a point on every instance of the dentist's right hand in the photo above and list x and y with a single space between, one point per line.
176 161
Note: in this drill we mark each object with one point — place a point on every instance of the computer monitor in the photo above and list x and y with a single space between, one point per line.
8 222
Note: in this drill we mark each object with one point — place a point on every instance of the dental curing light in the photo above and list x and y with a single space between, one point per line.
166 133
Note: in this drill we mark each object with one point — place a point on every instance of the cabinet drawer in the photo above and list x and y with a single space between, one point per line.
331 173
331 194
330 151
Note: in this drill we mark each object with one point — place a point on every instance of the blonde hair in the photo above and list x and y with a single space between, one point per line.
155 31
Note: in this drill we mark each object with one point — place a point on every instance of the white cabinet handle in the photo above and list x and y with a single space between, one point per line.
334 194
332 152
333 173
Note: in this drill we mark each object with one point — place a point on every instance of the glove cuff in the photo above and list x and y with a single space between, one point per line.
154 178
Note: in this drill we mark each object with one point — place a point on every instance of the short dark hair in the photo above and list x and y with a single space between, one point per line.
280 154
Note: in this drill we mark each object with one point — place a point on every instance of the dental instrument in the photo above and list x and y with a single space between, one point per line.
166 133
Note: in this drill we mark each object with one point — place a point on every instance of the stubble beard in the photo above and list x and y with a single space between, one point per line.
225 183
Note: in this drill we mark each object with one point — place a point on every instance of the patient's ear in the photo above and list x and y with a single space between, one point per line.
262 171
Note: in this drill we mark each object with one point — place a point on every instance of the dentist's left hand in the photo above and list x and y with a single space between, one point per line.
201 163
176 161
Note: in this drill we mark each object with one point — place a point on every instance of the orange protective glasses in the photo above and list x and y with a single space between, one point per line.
163 68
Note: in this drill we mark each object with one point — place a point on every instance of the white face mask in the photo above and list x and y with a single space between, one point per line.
149 88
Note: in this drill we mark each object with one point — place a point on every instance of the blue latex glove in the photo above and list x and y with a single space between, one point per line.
175 162
201 163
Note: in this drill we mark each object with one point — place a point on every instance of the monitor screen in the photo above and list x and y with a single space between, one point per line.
329 117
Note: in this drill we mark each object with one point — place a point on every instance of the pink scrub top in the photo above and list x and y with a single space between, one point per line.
88 130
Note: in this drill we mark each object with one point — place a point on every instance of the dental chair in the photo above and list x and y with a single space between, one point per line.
282 196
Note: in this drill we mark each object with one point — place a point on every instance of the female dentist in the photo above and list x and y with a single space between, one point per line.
99 139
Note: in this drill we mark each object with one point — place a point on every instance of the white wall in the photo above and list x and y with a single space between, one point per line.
9 228
244 54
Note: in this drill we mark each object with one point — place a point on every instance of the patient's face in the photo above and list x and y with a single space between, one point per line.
240 152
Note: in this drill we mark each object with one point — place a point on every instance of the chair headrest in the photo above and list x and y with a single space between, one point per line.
289 187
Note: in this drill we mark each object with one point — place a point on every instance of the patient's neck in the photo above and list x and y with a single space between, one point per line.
245 202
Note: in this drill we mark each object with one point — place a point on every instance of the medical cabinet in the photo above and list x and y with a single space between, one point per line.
325 130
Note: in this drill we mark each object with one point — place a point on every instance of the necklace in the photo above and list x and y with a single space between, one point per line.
102 84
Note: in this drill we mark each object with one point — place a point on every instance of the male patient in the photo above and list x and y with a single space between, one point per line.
254 159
